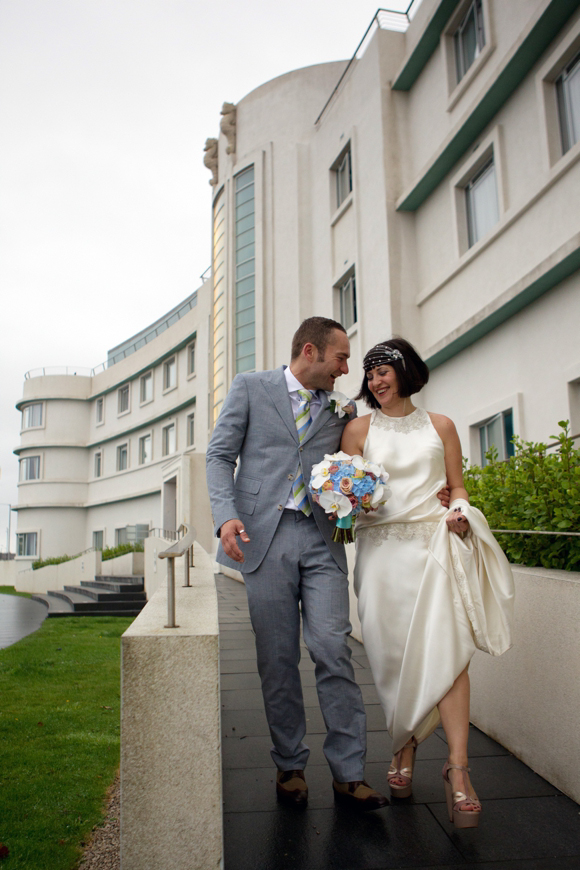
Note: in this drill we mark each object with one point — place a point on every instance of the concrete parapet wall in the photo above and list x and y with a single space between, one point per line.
124 566
171 791
84 567
529 698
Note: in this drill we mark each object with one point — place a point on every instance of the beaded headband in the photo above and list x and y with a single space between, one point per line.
381 355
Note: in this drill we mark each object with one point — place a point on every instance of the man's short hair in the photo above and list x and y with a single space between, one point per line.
314 330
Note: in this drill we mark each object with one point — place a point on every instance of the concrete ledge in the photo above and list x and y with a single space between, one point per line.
124 566
529 699
171 791
70 573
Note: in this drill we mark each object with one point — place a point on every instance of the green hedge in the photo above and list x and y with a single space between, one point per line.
534 489
107 553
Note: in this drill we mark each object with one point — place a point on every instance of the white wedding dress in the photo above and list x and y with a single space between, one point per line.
426 598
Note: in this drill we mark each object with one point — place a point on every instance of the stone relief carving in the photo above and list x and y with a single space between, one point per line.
228 126
210 159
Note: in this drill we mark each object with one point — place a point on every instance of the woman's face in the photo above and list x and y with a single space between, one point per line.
382 382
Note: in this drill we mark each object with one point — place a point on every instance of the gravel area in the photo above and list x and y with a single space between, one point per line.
103 849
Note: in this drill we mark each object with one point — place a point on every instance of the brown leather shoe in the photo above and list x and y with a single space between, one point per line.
359 795
291 787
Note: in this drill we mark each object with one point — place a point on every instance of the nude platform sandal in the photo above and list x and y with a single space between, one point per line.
456 800
395 771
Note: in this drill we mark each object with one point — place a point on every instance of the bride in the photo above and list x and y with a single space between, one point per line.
432 584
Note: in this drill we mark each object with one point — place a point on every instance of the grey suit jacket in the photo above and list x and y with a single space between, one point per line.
257 426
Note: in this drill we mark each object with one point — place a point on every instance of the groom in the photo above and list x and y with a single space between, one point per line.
278 424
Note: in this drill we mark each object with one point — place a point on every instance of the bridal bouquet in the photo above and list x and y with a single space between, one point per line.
344 485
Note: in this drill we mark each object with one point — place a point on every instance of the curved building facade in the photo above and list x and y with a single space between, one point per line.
104 453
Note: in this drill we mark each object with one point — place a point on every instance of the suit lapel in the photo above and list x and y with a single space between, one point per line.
277 390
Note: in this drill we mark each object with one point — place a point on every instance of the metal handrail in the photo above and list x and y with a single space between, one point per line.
182 547
533 532
168 534
398 20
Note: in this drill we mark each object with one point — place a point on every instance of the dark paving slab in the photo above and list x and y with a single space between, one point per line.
19 617
526 824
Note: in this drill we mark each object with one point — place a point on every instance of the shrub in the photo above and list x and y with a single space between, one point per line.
120 550
533 490
54 560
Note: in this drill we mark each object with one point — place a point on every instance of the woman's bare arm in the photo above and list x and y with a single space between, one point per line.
354 435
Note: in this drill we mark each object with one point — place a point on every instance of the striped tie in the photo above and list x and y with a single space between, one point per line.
303 421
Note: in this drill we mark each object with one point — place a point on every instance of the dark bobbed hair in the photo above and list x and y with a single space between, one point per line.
410 378
314 330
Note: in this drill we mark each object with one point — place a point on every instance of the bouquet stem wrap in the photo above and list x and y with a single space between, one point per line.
344 532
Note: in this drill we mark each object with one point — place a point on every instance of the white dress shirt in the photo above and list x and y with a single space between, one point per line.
294 385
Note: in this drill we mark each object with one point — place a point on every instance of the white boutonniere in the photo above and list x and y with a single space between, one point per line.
340 404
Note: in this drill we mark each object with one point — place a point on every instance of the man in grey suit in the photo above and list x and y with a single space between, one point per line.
276 425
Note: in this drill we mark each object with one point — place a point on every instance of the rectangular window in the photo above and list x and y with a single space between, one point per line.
27 544
30 468
123 399
146 388
191 357
481 203
145 454
122 457
170 374
568 91
347 302
497 432
343 173
191 429
32 415
98 464
169 444
469 38
98 540
219 304
100 409
121 536
245 322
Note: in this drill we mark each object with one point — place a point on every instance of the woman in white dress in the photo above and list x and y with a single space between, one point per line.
432 584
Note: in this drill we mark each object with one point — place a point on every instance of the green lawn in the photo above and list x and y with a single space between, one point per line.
59 738
10 590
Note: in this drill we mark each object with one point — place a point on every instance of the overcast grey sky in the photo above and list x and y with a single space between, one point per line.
105 106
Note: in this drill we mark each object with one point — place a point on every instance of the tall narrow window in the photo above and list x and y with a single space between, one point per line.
100 410
145 454
121 536
170 373
482 203
191 357
123 399
30 468
146 388
343 172
191 429
168 441
568 90
32 415
469 38
219 303
245 272
122 457
98 464
347 302
497 432
98 540
27 544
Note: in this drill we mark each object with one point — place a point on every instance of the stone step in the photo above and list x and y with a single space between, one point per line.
103 594
81 603
55 606
127 578
130 589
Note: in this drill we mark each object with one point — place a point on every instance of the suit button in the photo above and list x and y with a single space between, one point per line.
290 477
280 507
301 449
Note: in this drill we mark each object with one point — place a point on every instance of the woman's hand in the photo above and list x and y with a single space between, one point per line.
457 522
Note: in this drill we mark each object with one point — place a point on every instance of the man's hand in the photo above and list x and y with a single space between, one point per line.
457 522
443 496
228 534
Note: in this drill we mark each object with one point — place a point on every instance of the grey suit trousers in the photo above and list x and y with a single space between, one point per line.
298 574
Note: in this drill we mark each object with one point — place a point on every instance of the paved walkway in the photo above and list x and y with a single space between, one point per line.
19 617
527 824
